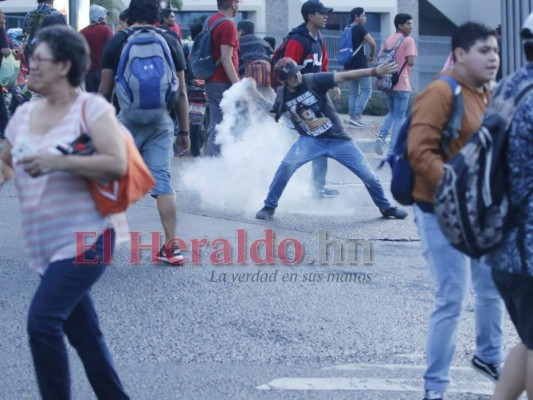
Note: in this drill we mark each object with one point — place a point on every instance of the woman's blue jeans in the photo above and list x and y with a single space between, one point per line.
346 152
397 102
62 306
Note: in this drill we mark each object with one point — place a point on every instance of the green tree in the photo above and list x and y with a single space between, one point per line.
175 4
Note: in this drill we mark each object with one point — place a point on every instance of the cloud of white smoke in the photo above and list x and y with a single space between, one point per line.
252 147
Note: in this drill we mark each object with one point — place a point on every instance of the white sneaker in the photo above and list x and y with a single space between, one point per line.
356 122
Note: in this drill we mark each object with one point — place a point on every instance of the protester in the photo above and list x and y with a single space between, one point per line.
57 205
325 136
398 97
306 46
97 34
254 58
123 20
360 89
168 20
154 140
475 52
512 261
225 48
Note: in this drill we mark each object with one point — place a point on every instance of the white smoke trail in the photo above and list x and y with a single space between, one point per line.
253 145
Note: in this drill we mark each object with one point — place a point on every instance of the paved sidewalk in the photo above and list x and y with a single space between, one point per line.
366 136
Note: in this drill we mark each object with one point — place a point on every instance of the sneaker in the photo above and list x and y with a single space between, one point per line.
265 213
172 256
326 193
378 146
356 122
489 370
394 212
433 395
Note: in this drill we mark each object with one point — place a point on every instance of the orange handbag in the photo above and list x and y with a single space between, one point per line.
116 196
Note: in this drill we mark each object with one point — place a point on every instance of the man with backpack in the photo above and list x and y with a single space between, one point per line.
305 98
306 46
360 89
145 92
33 21
403 48
254 58
475 52
512 260
224 49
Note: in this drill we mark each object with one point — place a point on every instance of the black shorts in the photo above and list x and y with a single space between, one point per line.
517 293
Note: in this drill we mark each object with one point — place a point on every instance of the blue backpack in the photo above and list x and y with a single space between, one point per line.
146 79
346 51
403 176
202 63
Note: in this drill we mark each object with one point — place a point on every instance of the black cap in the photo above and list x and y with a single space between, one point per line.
313 6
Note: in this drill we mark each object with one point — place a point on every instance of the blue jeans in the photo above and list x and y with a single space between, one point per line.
397 102
215 92
346 152
360 91
451 271
62 306
318 173
155 143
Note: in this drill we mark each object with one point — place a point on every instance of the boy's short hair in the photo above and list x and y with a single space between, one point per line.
401 19
469 33
246 26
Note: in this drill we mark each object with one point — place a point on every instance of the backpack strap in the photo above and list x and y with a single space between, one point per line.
453 126
281 97
212 27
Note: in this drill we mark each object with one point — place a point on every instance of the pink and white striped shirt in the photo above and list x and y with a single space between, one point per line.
57 205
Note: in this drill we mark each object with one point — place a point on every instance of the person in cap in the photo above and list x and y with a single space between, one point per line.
97 35
512 261
307 47
304 98
475 52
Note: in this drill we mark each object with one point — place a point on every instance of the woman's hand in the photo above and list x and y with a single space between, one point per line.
386 68
40 164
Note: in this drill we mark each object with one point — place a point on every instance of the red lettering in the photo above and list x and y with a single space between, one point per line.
136 246
195 249
268 244
298 251
241 246
81 247
224 252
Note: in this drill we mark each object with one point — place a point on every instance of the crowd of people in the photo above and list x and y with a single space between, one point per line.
67 70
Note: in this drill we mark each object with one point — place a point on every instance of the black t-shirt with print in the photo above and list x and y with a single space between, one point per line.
310 108
359 61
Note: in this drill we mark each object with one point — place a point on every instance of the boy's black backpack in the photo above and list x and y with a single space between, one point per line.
403 176
279 53
202 63
471 202
35 21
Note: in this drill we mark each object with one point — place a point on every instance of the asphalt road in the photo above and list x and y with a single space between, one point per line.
350 328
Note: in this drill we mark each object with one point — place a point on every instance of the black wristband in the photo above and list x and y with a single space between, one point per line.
183 133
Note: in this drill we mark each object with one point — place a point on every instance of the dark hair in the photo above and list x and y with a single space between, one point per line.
196 29
467 34
246 26
224 4
528 50
165 13
123 16
67 45
401 19
356 12
144 11
271 41
54 19
45 1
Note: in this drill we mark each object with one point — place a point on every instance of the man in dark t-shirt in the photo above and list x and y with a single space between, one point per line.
322 133
360 89
154 140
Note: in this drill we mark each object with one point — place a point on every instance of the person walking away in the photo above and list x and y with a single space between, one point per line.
475 51
360 89
97 35
154 138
